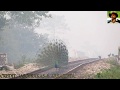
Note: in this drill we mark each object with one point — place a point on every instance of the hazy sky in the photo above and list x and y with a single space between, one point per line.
89 33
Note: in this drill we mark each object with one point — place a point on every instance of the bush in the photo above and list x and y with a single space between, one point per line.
112 73
6 68
19 65
113 62
24 60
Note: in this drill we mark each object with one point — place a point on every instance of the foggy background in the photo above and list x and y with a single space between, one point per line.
23 34
87 34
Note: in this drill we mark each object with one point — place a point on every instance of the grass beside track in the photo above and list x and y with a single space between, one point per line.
112 73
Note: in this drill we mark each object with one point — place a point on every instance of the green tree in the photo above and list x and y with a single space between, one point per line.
17 37
18 41
26 18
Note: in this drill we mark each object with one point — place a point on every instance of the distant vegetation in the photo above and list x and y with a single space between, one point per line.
22 62
17 36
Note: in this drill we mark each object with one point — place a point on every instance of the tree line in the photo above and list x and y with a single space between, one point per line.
17 36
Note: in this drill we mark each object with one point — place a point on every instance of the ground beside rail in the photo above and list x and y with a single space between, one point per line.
89 70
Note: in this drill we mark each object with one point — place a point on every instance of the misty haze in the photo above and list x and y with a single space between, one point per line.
55 38
88 33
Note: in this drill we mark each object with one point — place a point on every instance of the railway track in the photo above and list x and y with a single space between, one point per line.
70 73
52 73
